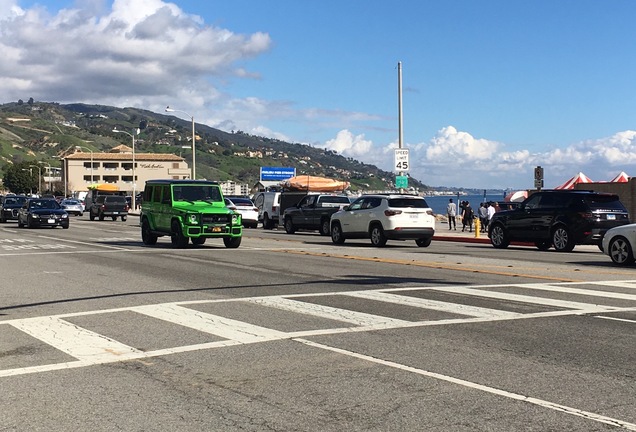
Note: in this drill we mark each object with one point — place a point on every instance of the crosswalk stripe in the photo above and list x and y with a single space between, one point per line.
433 304
84 345
224 327
522 298
353 317
591 293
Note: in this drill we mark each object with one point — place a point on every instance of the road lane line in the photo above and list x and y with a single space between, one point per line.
84 345
224 327
522 298
83 243
349 316
587 292
433 304
492 390
616 319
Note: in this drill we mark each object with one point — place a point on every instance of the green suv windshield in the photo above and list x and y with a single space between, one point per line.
191 193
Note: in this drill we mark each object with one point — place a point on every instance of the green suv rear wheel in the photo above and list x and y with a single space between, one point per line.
179 241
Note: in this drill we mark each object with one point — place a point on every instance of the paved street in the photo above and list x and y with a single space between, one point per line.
290 332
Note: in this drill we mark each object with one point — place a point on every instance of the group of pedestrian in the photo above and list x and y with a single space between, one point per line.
484 213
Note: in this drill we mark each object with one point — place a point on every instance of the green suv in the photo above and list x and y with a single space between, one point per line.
188 209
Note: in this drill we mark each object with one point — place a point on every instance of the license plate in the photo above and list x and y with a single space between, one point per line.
414 216
216 229
51 220
611 217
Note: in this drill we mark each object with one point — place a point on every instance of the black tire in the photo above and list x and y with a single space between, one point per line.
91 215
232 242
146 235
80 214
198 241
376 234
423 242
337 236
123 218
289 226
30 223
2 220
325 227
179 241
268 224
65 226
101 217
543 245
562 240
499 237
620 251
114 218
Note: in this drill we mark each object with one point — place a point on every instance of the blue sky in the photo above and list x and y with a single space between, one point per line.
491 89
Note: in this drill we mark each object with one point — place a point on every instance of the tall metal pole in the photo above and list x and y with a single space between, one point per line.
194 153
400 130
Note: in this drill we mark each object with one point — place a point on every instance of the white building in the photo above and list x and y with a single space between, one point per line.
82 169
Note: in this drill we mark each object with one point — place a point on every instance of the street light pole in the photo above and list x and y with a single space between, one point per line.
134 179
193 174
39 177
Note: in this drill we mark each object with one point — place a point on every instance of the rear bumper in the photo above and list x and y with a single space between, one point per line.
409 233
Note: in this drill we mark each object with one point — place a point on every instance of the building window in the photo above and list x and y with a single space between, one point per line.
111 166
90 179
127 179
111 179
126 166
175 165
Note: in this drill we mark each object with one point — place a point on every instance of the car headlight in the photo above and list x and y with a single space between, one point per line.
192 219
64 216
236 219
35 216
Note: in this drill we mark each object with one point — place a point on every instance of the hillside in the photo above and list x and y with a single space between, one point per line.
46 131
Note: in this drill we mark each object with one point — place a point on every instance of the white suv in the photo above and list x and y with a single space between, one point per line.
384 217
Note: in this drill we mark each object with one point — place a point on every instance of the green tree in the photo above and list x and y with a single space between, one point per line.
18 179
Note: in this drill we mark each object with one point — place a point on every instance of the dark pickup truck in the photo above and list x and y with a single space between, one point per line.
112 206
313 212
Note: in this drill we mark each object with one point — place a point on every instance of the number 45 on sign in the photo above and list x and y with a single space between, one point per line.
401 159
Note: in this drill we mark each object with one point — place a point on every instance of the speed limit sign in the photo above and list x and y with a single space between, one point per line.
401 160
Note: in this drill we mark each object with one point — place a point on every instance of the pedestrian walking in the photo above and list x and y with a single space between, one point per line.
467 217
483 216
451 213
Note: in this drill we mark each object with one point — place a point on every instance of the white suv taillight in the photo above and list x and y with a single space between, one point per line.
389 212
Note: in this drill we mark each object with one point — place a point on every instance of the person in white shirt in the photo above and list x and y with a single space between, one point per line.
451 212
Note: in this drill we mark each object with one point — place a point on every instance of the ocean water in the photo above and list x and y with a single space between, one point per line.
438 203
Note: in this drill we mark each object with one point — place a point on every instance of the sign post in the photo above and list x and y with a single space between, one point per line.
401 160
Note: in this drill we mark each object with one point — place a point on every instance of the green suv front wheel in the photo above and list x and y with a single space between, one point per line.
232 242
179 241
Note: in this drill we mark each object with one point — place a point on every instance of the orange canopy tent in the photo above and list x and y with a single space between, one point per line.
579 178
313 183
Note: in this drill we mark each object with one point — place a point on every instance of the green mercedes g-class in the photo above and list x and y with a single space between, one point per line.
187 209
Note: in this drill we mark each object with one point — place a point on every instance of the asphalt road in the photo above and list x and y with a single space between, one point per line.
291 333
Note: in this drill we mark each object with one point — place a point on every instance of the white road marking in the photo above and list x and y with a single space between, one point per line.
616 319
535 401
220 326
433 304
84 345
554 288
356 318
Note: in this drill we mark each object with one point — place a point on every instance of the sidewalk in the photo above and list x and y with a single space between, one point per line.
442 233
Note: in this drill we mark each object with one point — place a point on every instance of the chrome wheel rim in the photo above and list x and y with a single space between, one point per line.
618 251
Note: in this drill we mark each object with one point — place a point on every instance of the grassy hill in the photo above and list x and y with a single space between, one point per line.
47 131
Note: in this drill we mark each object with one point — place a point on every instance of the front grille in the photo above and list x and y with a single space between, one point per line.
216 219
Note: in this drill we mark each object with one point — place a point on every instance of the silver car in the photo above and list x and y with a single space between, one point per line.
73 206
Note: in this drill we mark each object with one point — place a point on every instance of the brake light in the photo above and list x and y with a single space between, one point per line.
274 208
389 213
587 215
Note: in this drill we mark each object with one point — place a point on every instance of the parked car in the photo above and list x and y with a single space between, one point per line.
619 243
73 206
188 210
313 212
385 217
559 218
268 204
39 212
9 207
247 209
112 206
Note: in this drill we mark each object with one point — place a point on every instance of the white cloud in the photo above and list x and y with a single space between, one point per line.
350 145
145 51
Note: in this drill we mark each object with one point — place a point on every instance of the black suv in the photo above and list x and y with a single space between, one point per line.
558 218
